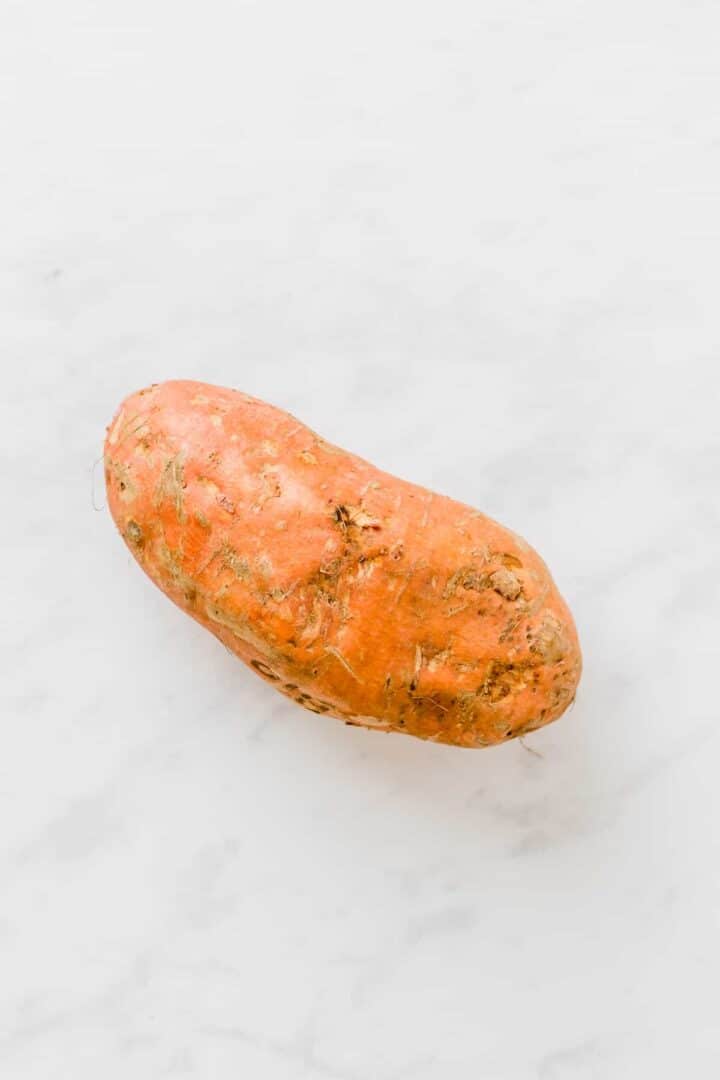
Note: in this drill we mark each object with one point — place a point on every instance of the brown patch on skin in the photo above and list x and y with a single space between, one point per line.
502 679
239 566
172 485
144 445
264 670
562 696
511 562
313 704
127 489
467 706
502 581
178 579
279 595
467 576
477 582
124 428
349 517
436 658
308 457
505 583
135 534
510 627
326 593
372 555
368 561
549 642
316 615
269 488
227 504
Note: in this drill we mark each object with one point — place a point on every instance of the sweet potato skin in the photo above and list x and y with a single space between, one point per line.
353 592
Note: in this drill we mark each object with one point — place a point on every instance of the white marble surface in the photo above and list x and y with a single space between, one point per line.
478 244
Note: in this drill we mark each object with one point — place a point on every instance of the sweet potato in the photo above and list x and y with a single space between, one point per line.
354 593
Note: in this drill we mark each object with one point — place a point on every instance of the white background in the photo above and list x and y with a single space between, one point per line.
479 244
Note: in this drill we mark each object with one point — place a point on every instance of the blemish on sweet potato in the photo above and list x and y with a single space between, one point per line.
505 583
512 562
171 485
549 641
269 487
225 503
134 534
122 476
264 670
354 517
239 566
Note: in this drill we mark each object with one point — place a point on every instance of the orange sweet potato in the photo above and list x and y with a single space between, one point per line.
353 592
